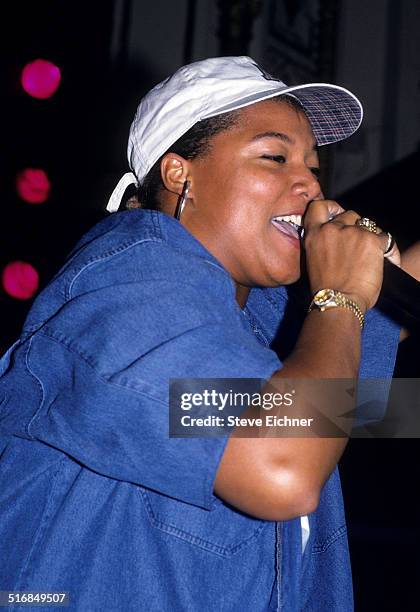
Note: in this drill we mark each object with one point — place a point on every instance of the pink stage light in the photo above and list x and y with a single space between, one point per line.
20 280
40 79
33 185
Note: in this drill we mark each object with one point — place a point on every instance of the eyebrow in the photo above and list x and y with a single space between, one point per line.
280 136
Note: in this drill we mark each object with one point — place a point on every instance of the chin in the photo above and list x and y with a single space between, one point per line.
285 279
271 278
272 283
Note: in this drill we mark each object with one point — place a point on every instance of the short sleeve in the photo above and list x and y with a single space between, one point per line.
379 346
379 351
104 362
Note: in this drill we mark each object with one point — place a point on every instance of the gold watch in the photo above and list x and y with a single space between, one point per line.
330 298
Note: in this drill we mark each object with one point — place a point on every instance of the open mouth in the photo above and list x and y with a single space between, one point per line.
289 224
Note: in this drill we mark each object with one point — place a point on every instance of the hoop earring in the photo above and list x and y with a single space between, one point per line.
182 200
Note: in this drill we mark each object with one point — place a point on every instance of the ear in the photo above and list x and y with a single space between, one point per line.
175 170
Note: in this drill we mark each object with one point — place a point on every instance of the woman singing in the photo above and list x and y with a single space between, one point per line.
96 499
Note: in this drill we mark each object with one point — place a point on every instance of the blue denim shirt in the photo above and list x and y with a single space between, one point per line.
95 499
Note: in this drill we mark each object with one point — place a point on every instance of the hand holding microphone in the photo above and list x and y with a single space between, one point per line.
341 255
399 293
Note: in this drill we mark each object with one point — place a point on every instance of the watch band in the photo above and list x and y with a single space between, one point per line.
330 298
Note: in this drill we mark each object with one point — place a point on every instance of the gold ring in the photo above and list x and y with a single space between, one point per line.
367 224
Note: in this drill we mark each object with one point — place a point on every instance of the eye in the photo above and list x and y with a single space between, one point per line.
277 158
316 172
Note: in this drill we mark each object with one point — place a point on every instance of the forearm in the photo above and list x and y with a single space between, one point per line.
286 474
328 348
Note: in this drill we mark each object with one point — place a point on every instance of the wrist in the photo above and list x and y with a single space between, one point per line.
361 303
328 298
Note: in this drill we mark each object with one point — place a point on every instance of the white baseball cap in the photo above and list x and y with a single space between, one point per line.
219 85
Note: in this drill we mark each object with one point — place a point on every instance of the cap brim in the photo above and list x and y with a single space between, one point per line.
334 112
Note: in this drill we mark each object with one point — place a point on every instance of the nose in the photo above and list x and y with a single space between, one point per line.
306 184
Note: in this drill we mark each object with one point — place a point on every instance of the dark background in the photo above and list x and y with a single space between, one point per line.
79 137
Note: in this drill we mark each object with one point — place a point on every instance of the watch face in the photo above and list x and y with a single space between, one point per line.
323 297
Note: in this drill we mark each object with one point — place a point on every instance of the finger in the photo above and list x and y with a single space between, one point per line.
347 217
320 212
394 254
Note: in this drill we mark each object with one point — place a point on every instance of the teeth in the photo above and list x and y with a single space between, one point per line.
292 219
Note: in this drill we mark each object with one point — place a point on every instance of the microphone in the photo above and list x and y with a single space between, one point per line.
399 297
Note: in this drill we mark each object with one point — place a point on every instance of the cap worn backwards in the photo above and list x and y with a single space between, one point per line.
219 85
